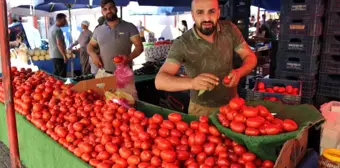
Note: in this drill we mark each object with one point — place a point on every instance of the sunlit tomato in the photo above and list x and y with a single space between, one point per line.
175 117
255 122
118 59
168 156
236 103
252 132
267 164
226 80
250 111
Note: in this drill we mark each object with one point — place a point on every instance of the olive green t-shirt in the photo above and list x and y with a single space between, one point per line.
199 56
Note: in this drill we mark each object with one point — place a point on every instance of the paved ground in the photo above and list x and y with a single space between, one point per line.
5 161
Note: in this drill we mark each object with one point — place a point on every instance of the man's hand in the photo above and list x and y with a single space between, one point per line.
205 81
97 61
234 76
65 59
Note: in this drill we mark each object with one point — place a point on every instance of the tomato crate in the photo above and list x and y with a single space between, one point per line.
330 63
297 44
297 63
329 84
254 94
332 25
333 6
302 8
299 25
331 44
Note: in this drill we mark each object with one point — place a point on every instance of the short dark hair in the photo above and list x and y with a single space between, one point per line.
105 2
60 16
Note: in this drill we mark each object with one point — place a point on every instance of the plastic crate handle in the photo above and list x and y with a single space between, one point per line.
295 40
294 59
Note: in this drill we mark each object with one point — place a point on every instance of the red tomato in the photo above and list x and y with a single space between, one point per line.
237 127
239 149
252 132
168 156
210 161
289 89
204 119
272 129
118 59
262 110
203 127
235 166
193 165
133 160
157 118
125 152
226 80
183 155
196 149
104 165
240 118
182 126
200 138
248 157
255 122
201 157
209 148
250 165
236 103
289 125
261 86
156 161
194 125
267 164
175 117
250 111
103 156
277 121
163 132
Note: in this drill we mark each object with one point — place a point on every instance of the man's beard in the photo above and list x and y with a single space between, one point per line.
111 17
207 31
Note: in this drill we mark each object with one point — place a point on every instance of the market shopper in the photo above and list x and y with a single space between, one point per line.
83 40
142 30
57 46
115 37
206 51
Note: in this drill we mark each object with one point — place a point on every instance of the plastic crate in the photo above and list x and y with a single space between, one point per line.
332 44
285 98
307 100
329 84
295 76
297 63
298 25
330 63
309 88
308 45
332 26
333 6
322 99
302 7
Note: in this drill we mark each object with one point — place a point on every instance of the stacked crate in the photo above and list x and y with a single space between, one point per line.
329 74
300 44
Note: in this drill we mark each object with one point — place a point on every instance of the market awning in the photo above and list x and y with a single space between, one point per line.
273 5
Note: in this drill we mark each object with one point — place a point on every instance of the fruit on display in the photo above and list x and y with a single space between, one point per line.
105 134
252 121
38 54
288 89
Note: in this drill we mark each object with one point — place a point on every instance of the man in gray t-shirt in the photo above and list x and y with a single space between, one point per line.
57 46
115 37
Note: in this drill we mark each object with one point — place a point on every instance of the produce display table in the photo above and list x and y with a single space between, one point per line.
38 150
47 65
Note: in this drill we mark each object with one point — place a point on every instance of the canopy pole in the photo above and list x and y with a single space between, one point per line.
7 84
71 40
121 12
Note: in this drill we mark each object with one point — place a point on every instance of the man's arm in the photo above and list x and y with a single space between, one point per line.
167 80
91 48
137 42
61 43
74 44
249 59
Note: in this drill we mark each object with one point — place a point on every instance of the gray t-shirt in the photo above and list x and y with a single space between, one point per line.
84 38
114 42
55 33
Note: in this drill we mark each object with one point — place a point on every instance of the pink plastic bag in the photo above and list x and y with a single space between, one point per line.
124 75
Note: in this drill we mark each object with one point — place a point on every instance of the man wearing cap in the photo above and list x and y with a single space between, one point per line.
83 40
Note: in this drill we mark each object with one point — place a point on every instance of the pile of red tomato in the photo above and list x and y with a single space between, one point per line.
261 87
107 135
252 121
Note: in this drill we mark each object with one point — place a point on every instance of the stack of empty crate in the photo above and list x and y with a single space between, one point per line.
329 73
300 44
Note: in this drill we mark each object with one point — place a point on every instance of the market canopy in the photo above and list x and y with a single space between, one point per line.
273 5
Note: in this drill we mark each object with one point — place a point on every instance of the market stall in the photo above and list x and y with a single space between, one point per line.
156 50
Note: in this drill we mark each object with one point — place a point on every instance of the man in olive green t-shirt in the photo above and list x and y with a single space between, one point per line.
206 51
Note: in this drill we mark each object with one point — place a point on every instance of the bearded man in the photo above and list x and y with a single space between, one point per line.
114 37
207 52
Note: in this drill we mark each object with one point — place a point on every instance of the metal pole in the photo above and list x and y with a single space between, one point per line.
121 12
7 82
71 40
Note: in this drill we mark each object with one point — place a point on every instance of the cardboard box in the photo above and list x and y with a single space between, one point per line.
293 151
100 85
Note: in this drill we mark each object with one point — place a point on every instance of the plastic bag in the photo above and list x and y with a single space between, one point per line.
124 75
101 74
120 97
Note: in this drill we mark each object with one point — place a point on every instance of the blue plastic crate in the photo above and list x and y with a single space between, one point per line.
300 25
285 98
306 46
297 62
